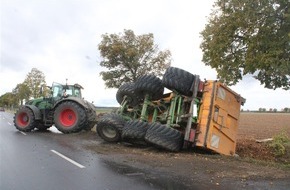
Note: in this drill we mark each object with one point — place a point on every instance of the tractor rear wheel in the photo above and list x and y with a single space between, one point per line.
69 117
110 126
179 80
91 119
164 137
24 120
134 132
151 85
127 90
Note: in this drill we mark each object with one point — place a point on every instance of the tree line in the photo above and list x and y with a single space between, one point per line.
271 110
284 110
29 88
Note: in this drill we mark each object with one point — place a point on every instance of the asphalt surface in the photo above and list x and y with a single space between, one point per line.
55 161
50 160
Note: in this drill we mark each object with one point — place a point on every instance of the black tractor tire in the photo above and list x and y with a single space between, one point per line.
110 126
91 120
24 120
69 117
134 132
89 126
164 137
127 90
151 85
178 80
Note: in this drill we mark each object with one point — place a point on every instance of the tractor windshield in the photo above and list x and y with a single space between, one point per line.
73 91
60 90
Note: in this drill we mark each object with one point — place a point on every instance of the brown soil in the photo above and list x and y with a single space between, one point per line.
263 125
257 126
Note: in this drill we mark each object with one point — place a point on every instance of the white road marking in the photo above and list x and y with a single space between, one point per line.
68 159
22 133
9 123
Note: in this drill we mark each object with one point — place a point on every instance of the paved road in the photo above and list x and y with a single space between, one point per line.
51 161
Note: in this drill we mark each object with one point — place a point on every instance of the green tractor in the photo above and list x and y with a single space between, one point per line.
65 108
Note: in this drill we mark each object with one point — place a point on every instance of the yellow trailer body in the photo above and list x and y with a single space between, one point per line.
218 118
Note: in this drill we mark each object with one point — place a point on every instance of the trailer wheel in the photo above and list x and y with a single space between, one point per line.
69 117
149 84
24 120
110 126
164 137
127 90
179 80
134 132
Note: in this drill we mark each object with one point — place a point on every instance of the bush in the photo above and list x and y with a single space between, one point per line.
279 144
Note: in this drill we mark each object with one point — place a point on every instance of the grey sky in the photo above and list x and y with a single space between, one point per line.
60 38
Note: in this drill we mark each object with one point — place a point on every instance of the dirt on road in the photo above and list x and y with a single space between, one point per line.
256 167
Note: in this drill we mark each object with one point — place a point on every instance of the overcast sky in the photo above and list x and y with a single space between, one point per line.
60 38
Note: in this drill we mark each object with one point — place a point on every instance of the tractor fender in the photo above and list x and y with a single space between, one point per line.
89 107
80 101
35 111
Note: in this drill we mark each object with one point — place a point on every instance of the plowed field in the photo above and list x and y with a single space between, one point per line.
263 125
257 126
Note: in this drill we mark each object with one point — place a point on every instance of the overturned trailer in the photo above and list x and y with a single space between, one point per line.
194 113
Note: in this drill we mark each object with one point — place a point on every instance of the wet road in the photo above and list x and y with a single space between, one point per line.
49 160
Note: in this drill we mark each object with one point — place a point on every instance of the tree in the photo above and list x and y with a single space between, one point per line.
249 37
8 100
34 80
128 56
22 92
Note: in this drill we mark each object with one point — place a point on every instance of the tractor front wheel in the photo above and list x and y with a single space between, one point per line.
24 120
69 117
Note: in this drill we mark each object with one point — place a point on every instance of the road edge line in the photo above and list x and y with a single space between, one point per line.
22 133
67 159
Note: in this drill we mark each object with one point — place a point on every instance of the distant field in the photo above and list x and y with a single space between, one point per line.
263 125
103 110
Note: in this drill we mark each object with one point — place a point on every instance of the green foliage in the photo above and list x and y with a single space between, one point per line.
8 100
34 80
22 92
279 144
249 37
30 88
128 56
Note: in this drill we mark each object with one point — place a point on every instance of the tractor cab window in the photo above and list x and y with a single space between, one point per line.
69 91
57 90
77 93
72 91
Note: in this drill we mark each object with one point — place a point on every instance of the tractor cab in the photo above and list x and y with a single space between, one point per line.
59 91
